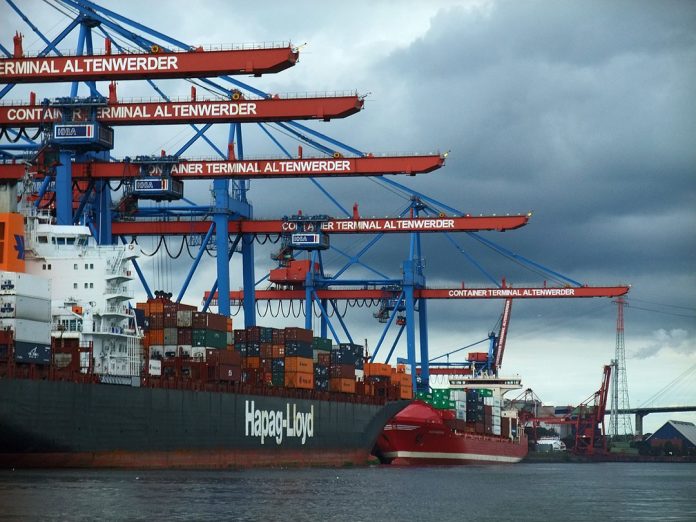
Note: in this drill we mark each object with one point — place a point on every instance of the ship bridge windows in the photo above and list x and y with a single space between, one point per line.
42 239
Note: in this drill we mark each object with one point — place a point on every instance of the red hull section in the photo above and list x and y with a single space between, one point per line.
419 435
213 459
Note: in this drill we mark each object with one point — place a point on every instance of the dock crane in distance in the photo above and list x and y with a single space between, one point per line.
587 420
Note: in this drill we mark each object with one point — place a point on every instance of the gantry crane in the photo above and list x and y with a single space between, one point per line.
72 169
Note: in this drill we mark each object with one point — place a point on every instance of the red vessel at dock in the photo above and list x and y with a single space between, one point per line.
467 423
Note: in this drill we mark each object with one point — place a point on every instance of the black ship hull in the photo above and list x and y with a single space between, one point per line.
65 424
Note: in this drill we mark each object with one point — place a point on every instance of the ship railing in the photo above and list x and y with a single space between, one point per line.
69 326
117 310
119 290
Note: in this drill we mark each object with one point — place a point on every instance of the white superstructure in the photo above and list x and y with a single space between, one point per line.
89 291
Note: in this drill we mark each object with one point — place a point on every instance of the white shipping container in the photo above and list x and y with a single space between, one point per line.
460 405
359 374
27 285
460 414
496 401
184 318
488 401
458 395
185 350
28 331
496 410
156 349
198 352
154 367
22 307
496 421
496 429
511 414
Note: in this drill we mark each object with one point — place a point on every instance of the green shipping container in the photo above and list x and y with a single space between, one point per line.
210 338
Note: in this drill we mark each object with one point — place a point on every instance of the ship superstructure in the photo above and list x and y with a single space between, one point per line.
89 292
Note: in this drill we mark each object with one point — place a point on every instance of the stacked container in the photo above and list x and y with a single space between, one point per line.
321 354
178 330
25 309
273 357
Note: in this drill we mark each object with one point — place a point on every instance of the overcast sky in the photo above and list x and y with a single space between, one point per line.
582 112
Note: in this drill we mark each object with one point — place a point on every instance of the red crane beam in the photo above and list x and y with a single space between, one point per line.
188 64
334 226
192 111
525 293
254 169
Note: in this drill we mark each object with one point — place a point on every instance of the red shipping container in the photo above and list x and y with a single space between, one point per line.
156 321
229 372
229 357
342 371
278 351
184 336
478 356
266 351
299 334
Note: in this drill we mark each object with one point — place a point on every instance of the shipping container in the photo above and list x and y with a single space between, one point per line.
213 338
34 353
27 285
229 372
342 371
299 334
21 307
342 385
170 335
184 318
299 364
157 321
301 380
29 331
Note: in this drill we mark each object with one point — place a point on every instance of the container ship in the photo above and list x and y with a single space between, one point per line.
463 424
87 380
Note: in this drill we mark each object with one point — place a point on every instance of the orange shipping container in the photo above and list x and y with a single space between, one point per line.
251 362
11 238
156 337
404 379
342 385
405 392
299 364
378 369
299 380
156 306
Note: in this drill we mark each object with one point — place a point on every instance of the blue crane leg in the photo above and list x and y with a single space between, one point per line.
423 330
64 189
220 187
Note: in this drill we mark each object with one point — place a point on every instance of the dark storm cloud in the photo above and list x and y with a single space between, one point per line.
582 112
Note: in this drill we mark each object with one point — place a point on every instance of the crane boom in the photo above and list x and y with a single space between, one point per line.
127 66
332 226
499 349
252 169
376 294
192 111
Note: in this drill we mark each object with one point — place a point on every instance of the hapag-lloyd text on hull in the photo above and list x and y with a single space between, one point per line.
277 424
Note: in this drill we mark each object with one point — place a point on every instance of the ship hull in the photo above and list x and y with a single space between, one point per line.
67 424
417 436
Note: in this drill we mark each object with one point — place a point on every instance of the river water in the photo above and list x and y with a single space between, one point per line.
522 492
